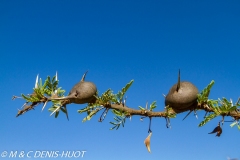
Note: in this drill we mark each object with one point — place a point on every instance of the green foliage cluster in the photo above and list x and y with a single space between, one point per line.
108 97
170 114
152 106
42 92
120 118
203 96
91 109
220 107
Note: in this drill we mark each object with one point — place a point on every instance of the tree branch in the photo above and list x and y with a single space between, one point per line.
132 112
44 93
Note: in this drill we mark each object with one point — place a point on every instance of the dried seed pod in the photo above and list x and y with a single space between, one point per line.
82 92
181 96
147 142
217 130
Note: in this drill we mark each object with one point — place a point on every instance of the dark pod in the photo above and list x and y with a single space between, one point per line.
217 130
82 92
181 96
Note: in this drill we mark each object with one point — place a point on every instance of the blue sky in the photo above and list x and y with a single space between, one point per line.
117 41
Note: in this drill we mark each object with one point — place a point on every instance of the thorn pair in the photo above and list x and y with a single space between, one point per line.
195 113
37 79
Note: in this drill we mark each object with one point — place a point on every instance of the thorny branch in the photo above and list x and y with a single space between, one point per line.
133 112
44 93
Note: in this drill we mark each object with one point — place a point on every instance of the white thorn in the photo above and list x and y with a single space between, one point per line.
195 113
220 101
56 78
231 101
23 105
196 116
36 83
124 101
44 105
164 95
55 110
207 106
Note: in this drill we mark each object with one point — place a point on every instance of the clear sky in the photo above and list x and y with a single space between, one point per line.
117 41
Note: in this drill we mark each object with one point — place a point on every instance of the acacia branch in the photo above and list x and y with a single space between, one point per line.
49 91
132 112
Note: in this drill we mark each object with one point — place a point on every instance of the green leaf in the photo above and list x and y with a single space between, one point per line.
106 97
113 128
153 105
48 79
53 79
55 83
38 92
90 115
207 119
116 112
112 123
170 115
121 93
34 99
117 127
83 110
239 127
203 96
234 123
53 108
119 121
124 90
225 106
56 114
141 108
119 118
213 104
89 107
63 110
233 108
45 83
40 83
26 98
30 98
123 123
116 119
